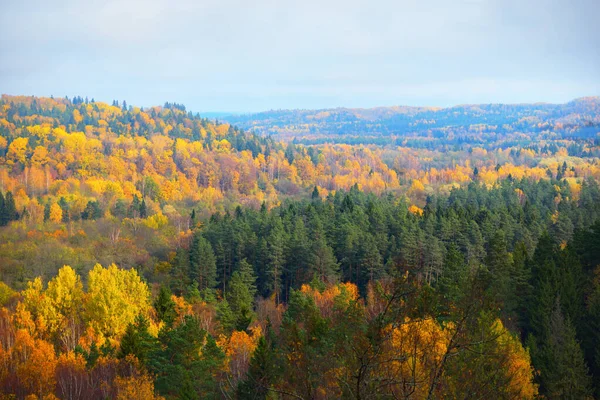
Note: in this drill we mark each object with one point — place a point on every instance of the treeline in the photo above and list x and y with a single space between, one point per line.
357 237
480 124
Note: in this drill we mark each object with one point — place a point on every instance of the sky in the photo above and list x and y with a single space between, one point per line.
246 56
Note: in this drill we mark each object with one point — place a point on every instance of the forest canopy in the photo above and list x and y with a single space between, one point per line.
153 253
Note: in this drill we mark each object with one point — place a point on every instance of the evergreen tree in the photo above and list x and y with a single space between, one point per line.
137 340
289 152
120 209
454 277
65 209
276 257
92 211
92 356
134 207
165 306
370 261
297 255
246 273
261 373
185 362
143 210
47 211
564 374
203 267
591 333
225 316
499 266
179 273
8 211
520 288
315 194
322 261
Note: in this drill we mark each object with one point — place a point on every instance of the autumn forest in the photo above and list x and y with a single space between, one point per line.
400 252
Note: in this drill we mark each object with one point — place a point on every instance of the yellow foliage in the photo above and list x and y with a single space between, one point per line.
115 298
135 388
156 221
518 363
55 213
66 291
17 150
415 210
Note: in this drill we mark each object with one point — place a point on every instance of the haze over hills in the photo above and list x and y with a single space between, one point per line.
367 125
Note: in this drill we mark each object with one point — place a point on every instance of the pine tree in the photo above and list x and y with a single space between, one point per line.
240 295
9 211
225 316
92 211
211 361
297 255
134 207
591 333
165 306
276 257
454 276
193 217
120 209
65 209
185 361
137 340
47 207
247 276
315 194
179 273
322 261
564 374
261 373
143 210
520 288
92 356
203 266
371 264
499 267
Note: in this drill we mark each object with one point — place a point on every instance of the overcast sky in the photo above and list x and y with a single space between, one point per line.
231 55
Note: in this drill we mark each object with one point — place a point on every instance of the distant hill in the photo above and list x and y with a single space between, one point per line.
376 125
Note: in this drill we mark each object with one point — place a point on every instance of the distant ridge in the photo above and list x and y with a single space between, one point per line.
579 114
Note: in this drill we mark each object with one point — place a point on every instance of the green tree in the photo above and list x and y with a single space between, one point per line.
165 306
92 211
322 261
8 210
261 373
240 295
137 340
276 256
180 272
564 374
203 266
186 362
371 264
143 209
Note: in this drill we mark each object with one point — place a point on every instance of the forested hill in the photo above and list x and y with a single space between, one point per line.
19 114
154 254
580 117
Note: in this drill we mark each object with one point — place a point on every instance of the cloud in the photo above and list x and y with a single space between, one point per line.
239 55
